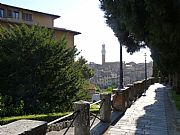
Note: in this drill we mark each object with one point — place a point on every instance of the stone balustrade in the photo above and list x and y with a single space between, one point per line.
121 100
125 97
131 93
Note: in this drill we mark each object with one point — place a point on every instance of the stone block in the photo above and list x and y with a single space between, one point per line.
120 100
24 127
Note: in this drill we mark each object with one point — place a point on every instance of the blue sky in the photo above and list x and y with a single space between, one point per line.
83 16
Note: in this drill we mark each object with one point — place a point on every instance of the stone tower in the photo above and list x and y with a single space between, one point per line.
103 51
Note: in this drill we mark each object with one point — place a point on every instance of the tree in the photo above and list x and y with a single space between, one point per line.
155 24
36 71
87 73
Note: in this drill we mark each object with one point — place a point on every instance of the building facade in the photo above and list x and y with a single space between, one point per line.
10 15
108 74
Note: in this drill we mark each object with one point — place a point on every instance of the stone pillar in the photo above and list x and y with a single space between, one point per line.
148 83
105 111
139 92
142 86
119 102
126 97
152 81
82 121
131 93
135 90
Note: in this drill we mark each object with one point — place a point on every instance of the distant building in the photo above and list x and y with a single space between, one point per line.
16 16
107 74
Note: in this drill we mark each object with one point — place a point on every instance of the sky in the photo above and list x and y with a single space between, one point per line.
86 17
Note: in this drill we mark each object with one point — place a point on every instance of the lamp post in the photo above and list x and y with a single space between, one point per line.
145 67
121 70
145 74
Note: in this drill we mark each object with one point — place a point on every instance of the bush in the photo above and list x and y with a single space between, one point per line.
37 73
176 99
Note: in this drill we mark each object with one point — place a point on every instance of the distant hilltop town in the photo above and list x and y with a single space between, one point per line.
107 73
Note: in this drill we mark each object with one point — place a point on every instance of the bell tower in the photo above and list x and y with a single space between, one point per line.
103 51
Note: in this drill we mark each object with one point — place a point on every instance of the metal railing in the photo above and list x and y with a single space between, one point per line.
119 100
59 119
74 114
96 116
81 118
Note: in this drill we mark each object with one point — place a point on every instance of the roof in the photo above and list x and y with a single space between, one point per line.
54 16
54 28
66 30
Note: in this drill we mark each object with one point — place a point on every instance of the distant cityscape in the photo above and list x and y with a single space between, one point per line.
108 73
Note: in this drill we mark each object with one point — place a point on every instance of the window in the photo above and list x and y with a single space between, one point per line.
9 13
1 13
16 15
27 16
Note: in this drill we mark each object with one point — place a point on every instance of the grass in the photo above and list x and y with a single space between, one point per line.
42 117
94 108
176 99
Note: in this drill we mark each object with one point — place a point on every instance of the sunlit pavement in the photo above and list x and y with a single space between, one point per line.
151 114
147 116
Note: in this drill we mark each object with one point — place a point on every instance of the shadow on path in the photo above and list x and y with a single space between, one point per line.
154 120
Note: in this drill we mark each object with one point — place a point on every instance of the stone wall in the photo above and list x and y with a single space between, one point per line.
123 98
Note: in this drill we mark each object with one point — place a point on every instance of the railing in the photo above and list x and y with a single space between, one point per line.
96 116
121 100
75 114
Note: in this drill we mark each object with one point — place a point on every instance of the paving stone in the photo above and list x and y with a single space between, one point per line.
146 116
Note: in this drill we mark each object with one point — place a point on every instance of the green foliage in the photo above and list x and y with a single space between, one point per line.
86 72
109 89
37 73
83 94
155 24
94 108
42 117
176 98
98 89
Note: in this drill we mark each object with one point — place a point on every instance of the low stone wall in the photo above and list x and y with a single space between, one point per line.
123 98
59 126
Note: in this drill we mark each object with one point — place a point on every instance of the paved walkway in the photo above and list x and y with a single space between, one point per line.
147 116
151 114
98 127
